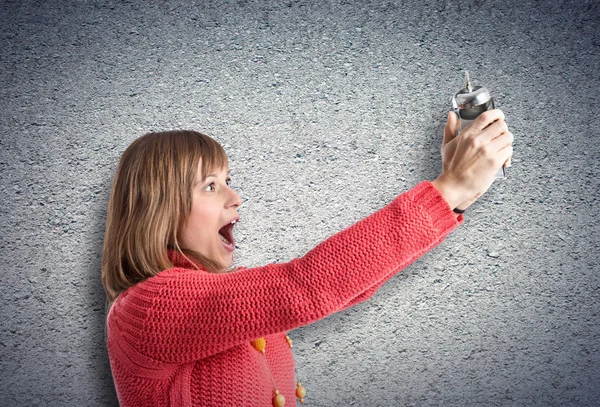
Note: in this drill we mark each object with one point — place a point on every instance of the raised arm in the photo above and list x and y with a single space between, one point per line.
182 315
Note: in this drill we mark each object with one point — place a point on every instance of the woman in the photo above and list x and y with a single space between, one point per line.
183 331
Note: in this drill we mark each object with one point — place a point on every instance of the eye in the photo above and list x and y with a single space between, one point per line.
228 181
210 187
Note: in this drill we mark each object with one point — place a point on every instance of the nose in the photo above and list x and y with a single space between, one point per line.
234 200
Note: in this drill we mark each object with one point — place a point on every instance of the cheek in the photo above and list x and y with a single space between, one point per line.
200 224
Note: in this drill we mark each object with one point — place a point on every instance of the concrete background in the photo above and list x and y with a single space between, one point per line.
327 109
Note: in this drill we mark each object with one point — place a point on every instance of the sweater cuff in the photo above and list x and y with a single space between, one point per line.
428 197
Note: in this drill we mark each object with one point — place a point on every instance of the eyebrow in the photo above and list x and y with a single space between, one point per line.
215 175
208 176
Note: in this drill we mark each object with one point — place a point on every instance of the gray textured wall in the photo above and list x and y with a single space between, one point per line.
327 109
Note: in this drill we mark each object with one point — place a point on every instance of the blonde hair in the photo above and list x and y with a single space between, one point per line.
150 202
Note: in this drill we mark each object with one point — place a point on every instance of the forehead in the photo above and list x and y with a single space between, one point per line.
206 169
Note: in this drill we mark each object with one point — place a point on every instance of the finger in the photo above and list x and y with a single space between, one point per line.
487 118
451 128
501 141
508 152
509 161
495 130
505 153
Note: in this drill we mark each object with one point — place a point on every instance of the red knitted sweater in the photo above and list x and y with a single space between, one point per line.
182 337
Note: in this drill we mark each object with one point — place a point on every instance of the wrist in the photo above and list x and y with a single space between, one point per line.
462 206
450 192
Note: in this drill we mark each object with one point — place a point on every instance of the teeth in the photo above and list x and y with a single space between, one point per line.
224 240
233 222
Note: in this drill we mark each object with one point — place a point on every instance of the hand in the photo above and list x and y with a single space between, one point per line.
471 160
451 140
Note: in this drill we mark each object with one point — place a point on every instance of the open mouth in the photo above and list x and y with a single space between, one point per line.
226 234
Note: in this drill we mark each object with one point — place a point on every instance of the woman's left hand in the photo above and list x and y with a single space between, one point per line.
449 147
451 140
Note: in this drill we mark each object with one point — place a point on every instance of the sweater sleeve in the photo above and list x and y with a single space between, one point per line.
182 315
